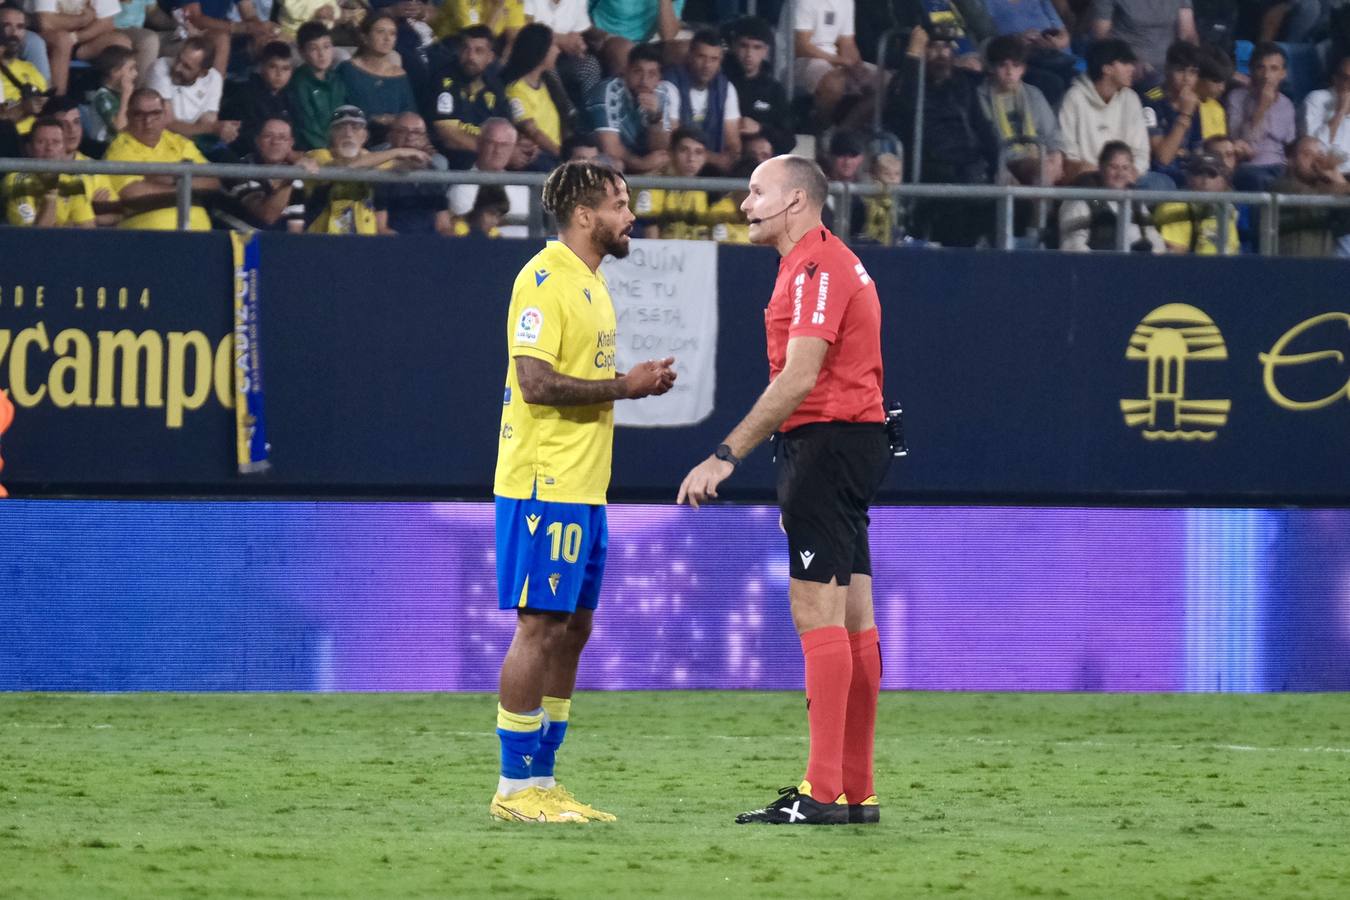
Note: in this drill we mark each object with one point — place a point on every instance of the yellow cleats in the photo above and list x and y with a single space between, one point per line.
534 805
564 800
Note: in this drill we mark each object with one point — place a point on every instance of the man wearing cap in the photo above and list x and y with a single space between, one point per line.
843 162
348 207
1100 107
764 104
1194 227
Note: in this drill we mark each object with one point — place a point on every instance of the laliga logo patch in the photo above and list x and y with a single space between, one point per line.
527 330
445 103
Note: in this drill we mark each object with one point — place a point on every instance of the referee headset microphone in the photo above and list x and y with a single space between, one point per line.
782 211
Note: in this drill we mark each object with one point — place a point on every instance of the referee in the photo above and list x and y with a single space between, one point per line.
823 326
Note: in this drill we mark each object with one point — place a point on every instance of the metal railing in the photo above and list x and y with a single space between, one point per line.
1004 197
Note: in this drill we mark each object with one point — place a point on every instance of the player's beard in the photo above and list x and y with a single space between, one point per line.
610 242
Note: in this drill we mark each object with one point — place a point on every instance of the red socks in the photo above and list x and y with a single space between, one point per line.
860 725
829 673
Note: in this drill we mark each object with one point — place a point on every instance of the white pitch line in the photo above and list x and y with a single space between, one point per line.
1246 748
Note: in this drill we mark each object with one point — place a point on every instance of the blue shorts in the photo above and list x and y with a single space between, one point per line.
550 556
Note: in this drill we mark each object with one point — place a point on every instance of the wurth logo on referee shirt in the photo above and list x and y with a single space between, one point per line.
818 317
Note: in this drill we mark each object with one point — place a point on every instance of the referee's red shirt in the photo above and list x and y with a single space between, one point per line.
823 291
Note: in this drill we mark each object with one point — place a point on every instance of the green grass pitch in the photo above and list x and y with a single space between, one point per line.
386 795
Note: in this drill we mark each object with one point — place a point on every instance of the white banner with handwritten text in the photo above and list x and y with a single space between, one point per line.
665 300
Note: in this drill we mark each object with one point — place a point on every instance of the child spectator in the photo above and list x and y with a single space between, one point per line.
484 219
262 97
878 221
106 113
1050 63
496 146
315 90
1019 115
764 104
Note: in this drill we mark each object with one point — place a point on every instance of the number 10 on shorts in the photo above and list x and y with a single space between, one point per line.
566 541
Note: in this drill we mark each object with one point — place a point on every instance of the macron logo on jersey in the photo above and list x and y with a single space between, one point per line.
540 276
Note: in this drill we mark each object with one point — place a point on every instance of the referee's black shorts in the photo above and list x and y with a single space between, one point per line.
828 473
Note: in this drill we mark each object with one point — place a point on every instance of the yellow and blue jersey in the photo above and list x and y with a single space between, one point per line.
560 313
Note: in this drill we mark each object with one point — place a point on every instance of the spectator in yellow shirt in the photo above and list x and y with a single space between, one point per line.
348 207
151 201
18 104
533 109
504 17
98 188
47 200
679 214
1194 227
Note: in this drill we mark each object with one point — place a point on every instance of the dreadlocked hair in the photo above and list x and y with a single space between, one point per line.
578 183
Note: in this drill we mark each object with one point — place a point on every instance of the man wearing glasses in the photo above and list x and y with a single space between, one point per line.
413 208
150 201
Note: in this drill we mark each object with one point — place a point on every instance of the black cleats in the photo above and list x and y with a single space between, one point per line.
866 813
792 807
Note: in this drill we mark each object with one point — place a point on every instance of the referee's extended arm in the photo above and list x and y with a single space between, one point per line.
805 355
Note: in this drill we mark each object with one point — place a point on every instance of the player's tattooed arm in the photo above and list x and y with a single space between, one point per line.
541 384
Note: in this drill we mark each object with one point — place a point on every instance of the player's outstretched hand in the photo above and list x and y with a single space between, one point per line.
700 485
653 377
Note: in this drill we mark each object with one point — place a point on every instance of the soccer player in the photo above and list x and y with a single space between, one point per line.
553 466
824 397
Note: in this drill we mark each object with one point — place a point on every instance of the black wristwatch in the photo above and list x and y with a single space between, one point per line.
724 452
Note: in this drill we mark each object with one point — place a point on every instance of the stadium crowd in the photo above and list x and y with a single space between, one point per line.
1205 95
